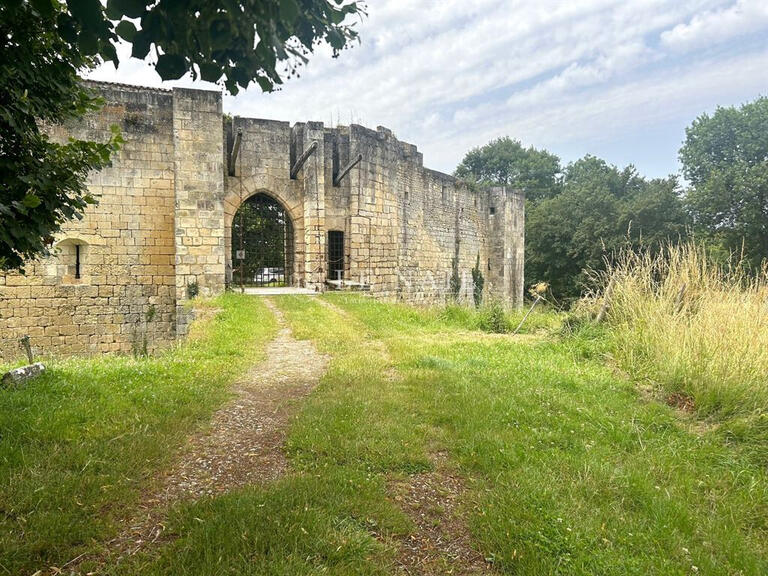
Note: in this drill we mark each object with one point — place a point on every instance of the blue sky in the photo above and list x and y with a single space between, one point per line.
617 79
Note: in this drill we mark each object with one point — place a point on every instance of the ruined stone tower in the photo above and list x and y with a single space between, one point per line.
361 208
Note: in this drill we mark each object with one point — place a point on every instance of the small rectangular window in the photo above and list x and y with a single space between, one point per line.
492 210
70 261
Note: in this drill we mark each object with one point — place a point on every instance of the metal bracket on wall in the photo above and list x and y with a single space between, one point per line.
344 171
235 151
302 159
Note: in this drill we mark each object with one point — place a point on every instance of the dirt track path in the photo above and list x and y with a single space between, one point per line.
243 444
441 543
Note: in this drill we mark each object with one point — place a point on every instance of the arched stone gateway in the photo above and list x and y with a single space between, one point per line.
284 206
360 204
262 244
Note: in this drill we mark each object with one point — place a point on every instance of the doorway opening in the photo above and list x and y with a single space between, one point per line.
335 255
262 243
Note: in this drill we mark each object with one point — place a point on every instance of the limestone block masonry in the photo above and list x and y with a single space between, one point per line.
118 279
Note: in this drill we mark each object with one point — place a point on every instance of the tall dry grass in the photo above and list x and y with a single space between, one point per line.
692 326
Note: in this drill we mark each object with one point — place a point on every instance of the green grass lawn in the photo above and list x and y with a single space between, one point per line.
79 444
573 472
568 469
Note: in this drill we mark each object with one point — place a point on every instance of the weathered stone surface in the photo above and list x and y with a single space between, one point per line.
128 244
21 375
167 204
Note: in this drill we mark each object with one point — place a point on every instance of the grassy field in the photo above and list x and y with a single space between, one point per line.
567 467
78 445
698 331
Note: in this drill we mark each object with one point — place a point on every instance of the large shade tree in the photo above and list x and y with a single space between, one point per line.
725 158
506 162
600 209
45 44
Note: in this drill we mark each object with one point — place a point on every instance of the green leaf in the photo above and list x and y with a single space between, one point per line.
141 44
31 200
336 39
171 66
220 33
108 52
126 30
112 12
67 27
288 10
210 72
265 83
231 86
89 14
44 7
88 42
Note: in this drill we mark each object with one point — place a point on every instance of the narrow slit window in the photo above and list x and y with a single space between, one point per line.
335 162
69 263
77 261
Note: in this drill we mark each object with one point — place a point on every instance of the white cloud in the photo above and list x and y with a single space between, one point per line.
447 75
714 26
605 113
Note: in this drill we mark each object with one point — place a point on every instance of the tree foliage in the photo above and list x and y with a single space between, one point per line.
599 210
41 182
725 158
241 41
578 216
44 44
505 162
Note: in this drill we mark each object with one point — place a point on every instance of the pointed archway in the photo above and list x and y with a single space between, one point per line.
262 243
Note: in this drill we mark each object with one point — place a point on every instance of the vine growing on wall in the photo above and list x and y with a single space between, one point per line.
478 282
455 285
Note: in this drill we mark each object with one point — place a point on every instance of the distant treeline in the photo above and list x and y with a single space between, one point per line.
581 214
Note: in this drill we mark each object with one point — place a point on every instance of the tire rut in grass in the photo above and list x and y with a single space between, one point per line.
441 543
243 444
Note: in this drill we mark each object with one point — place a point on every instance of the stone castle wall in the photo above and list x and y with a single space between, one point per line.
167 203
126 291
